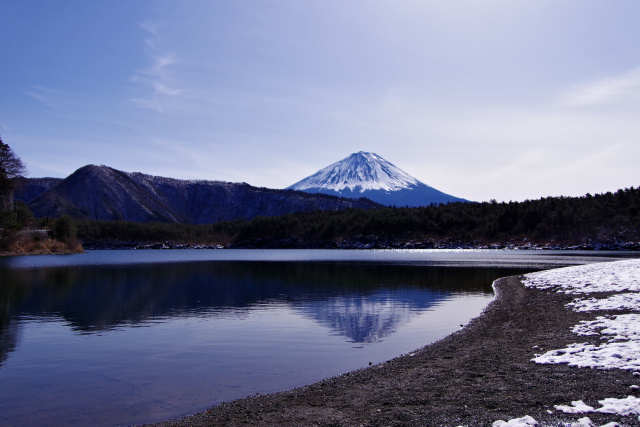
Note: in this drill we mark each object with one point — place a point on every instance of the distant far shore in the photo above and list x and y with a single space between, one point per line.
369 242
363 243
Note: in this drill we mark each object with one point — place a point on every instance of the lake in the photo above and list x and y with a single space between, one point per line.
128 337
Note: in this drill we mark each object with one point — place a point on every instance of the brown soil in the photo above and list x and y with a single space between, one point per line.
29 246
474 377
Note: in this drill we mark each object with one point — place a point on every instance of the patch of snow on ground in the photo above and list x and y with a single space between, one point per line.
617 355
622 327
626 301
622 351
586 422
630 405
582 422
516 422
529 421
616 276
627 406
576 407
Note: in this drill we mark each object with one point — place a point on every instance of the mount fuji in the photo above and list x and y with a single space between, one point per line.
368 175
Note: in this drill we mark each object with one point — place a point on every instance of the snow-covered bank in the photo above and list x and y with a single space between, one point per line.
618 276
618 335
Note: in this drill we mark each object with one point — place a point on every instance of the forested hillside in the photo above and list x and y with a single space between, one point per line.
610 219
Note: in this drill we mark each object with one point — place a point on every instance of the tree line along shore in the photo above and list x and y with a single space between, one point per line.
609 221
601 221
21 234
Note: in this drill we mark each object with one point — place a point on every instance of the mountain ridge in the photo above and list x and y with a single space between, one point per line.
365 174
104 193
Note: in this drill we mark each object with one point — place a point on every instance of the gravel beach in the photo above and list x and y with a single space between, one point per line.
474 377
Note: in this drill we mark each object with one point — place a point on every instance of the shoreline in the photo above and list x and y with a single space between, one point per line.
364 243
70 252
474 377
625 247
27 244
42 252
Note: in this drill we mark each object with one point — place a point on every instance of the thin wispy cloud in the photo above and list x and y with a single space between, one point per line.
158 79
152 29
43 96
609 90
61 102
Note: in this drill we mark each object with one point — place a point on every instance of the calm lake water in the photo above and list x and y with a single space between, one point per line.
127 337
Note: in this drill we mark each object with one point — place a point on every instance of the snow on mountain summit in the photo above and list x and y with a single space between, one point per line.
368 175
359 172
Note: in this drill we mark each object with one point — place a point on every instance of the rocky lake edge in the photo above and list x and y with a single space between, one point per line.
365 242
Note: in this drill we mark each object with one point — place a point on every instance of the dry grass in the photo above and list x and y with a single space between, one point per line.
24 245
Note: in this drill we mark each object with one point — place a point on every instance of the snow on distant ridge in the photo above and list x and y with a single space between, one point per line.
368 175
360 171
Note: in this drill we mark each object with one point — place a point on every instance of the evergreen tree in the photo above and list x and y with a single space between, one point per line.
65 229
10 167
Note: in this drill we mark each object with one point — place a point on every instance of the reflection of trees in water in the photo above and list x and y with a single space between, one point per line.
10 335
342 295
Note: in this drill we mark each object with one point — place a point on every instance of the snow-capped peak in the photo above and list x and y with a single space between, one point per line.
359 172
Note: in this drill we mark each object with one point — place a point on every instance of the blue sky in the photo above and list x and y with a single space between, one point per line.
485 99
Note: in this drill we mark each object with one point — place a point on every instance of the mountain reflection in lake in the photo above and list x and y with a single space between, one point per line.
94 299
115 344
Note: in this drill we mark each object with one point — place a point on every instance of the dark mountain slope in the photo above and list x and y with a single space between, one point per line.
104 193
28 189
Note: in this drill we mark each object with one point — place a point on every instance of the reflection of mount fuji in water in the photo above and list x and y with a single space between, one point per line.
368 318
360 301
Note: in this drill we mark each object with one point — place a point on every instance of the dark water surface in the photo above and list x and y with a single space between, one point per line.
126 337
